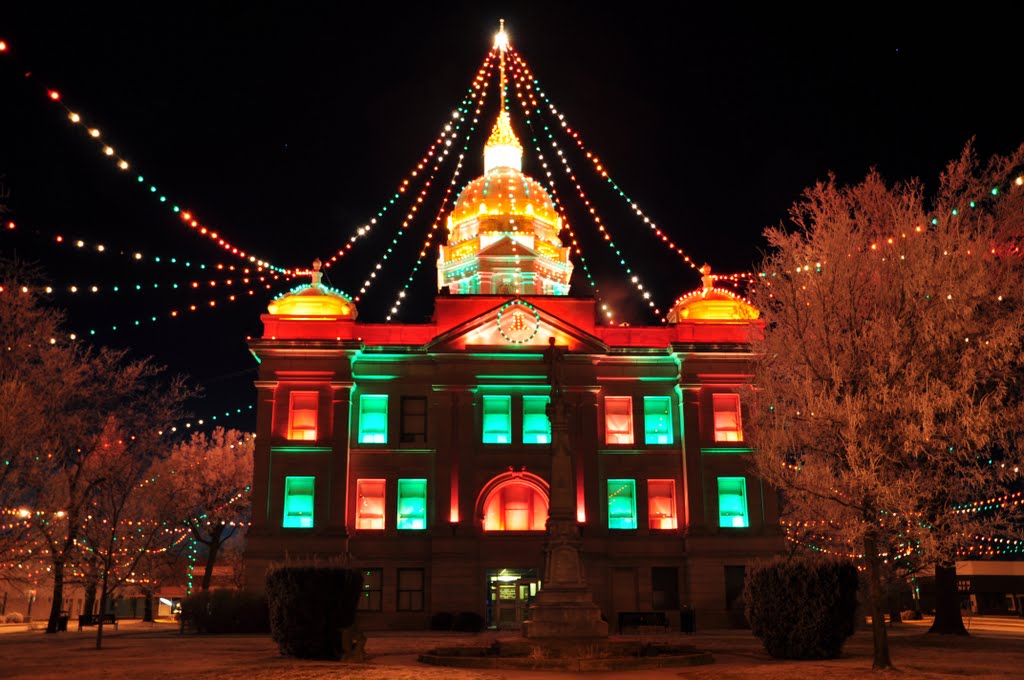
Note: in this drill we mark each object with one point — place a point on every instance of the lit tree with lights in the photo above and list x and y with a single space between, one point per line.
888 390
67 409
26 361
210 477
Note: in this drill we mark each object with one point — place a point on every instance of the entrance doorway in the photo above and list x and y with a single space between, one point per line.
509 593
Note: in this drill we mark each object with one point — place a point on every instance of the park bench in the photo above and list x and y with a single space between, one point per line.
643 622
94 620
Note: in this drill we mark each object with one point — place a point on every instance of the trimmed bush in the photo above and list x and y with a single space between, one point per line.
309 608
14 617
442 621
802 607
468 622
225 611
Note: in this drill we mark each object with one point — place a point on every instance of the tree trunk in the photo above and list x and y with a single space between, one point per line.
893 604
878 633
104 597
211 555
58 596
90 597
147 610
948 620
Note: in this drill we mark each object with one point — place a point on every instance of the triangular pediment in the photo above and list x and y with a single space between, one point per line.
507 247
516 323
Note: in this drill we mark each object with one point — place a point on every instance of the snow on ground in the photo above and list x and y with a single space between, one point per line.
995 650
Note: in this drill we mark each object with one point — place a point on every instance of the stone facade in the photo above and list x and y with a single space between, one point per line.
451 403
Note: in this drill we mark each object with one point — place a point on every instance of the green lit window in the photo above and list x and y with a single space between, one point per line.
732 502
373 419
536 426
298 503
621 504
412 504
497 419
657 420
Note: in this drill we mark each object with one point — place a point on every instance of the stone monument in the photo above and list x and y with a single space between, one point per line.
564 607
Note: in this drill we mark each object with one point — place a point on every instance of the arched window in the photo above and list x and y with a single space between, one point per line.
515 501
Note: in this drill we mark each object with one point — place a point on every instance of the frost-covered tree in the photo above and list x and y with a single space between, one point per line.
210 476
66 409
888 392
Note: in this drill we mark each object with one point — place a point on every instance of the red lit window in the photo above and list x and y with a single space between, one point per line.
728 427
661 503
515 506
302 412
370 504
618 420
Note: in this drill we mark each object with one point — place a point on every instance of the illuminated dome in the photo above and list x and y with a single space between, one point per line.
504 192
709 303
503 229
313 300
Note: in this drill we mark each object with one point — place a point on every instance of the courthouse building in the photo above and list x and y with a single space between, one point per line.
421 453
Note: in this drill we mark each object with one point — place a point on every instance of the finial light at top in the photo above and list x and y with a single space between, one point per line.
501 37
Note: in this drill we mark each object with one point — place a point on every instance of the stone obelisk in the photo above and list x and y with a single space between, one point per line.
564 607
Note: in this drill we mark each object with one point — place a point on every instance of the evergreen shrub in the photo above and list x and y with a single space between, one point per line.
309 608
442 621
468 622
225 611
14 617
802 607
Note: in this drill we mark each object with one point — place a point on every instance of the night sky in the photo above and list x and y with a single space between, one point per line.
287 128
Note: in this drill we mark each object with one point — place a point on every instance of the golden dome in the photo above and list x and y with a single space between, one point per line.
712 304
504 191
313 300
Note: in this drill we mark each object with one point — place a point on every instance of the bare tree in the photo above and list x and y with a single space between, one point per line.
211 475
891 360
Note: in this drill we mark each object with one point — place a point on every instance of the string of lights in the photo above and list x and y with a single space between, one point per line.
877 246
425 248
439 159
556 199
139 257
54 96
532 84
75 288
445 138
634 278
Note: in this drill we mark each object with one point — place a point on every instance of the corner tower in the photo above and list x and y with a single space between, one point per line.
503 231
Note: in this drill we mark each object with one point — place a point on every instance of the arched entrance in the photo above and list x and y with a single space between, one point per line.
512 502
515 501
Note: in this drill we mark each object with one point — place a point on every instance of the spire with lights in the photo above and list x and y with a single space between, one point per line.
503 233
